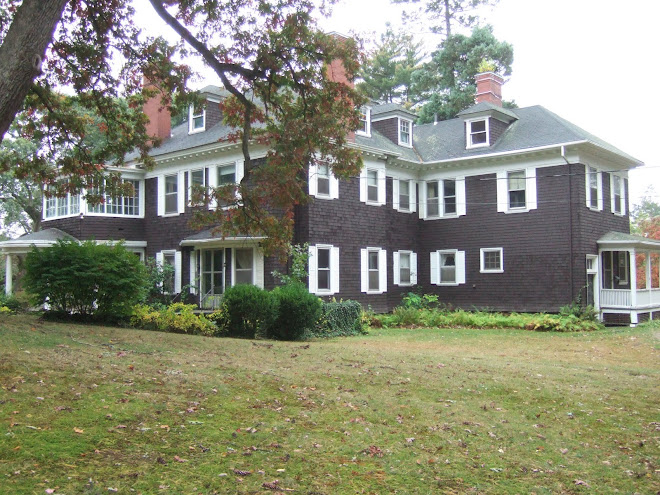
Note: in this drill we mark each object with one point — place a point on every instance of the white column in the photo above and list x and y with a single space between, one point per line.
8 274
633 278
648 271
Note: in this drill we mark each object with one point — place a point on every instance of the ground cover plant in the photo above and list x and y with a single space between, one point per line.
101 410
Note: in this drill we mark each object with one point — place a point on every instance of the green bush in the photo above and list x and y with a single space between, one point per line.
85 278
247 311
340 319
12 303
298 312
177 318
407 316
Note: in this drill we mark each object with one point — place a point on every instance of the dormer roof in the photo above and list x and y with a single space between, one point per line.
391 110
485 109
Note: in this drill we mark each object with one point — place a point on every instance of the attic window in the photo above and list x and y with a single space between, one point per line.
196 119
405 132
477 133
364 128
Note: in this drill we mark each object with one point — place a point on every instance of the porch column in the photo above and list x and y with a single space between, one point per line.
633 287
648 270
8 274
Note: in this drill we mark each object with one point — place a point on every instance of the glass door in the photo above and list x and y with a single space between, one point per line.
212 279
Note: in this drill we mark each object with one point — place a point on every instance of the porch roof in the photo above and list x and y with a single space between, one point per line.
210 236
43 238
621 240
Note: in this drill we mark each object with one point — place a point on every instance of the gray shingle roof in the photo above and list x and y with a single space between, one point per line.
390 107
51 234
485 106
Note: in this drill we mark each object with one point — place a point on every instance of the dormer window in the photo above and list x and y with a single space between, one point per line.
365 122
196 119
477 133
405 132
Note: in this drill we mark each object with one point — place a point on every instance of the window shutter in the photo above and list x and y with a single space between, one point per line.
213 183
159 258
460 267
396 274
258 268
193 272
364 270
624 201
422 199
313 265
334 270
461 203
161 196
599 175
177 272
530 193
363 185
240 171
334 186
382 185
382 270
587 174
312 179
413 268
181 191
413 196
395 194
435 260
502 190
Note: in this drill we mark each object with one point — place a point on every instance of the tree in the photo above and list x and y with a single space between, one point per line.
646 210
443 15
387 73
446 83
268 54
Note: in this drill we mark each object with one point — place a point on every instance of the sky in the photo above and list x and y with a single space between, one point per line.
593 62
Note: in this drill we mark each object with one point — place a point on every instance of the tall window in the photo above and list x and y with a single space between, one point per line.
477 133
365 124
449 197
372 186
594 181
226 174
169 271
196 119
323 268
197 179
432 199
447 268
404 268
243 258
323 179
618 193
374 270
171 194
404 195
516 189
404 132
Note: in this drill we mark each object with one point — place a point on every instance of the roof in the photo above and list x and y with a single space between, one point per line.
212 235
43 238
623 240
390 108
485 106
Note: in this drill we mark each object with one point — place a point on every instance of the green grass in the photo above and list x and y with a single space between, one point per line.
88 409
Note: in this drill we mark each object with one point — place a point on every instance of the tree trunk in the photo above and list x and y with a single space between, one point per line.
22 52
447 20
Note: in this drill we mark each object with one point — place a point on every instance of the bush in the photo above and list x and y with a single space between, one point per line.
340 319
407 316
12 303
298 312
85 278
247 311
177 318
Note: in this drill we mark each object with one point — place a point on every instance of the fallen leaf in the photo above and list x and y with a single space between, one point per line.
580 482
78 430
178 459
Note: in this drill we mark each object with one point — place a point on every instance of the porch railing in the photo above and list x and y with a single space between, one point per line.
211 301
616 298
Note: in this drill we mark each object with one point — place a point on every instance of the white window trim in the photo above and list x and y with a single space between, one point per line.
313 183
461 201
381 182
233 265
482 253
239 173
459 259
87 209
191 116
396 271
190 186
81 207
160 260
410 132
622 193
313 270
468 133
382 270
412 194
367 111
531 200
599 186
180 191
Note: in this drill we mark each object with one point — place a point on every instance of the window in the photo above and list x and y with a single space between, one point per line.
196 119
322 183
55 206
405 132
170 261
449 197
492 260
405 268
372 185
616 270
243 266
171 194
618 194
477 133
365 122
448 267
323 269
516 190
128 205
594 183
374 270
444 198
323 180
432 199
226 174
404 195
197 189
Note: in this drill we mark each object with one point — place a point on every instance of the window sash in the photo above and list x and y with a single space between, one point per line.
404 131
171 194
323 268
447 268
404 195
478 132
593 187
373 269
432 199
449 196
226 175
404 268
372 185
516 182
492 260
244 260
323 180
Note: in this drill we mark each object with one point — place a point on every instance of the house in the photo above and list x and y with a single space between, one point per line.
503 209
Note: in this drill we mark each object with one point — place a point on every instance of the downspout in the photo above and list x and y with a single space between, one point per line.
570 220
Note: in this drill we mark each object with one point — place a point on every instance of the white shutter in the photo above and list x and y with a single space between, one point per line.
435 260
240 171
413 195
460 267
413 268
258 276
502 192
624 202
334 270
161 196
159 258
193 272
213 183
181 191
395 194
334 186
587 174
600 190
531 189
364 270
363 184
461 203
382 270
396 274
312 179
312 270
422 199
177 272
612 202
382 186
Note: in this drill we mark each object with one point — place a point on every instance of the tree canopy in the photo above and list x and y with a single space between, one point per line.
61 61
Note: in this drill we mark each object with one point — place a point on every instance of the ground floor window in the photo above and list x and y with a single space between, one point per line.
405 268
323 269
244 266
616 269
492 260
374 270
170 261
448 267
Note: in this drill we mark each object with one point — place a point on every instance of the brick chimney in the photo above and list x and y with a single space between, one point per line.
337 73
160 120
489 88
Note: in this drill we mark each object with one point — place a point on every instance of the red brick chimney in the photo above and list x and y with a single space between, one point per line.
489 88
160 120
337 73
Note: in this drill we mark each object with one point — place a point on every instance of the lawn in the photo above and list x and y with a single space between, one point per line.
101 410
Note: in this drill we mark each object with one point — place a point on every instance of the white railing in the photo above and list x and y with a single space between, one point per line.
615 297
211 301
648 297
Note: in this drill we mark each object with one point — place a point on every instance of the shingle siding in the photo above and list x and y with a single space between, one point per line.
99 228
388 128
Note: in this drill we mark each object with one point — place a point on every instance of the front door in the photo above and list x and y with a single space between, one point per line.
212 277
593 293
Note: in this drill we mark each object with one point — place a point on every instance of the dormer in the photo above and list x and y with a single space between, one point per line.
394 122
485 123
206 114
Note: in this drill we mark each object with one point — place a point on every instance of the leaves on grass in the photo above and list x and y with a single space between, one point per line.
179 459
240 472
78 430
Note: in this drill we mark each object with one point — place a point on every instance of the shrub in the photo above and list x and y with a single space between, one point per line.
85 278
298 312
340 319
415 301
248 311
177 318
407 316
12 302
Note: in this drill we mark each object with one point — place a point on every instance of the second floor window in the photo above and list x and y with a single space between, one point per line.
197 186
66 205
227 175
404 195
477 133
323 180
618 192
405 132
516 188
432 199
171 194
594 181
445 198
372 186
